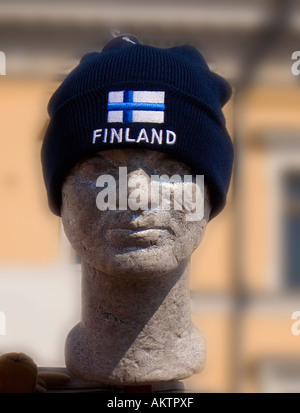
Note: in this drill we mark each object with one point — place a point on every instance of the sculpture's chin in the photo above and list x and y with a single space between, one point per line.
136 262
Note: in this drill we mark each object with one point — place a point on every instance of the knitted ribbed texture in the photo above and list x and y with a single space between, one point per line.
194 97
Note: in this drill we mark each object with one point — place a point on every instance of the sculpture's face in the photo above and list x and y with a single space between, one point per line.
149 241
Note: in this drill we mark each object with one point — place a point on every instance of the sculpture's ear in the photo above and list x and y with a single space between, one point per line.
207 203
18 373
206 218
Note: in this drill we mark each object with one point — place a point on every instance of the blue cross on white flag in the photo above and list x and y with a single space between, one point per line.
136 106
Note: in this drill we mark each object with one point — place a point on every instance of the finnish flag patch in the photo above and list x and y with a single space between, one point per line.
128 106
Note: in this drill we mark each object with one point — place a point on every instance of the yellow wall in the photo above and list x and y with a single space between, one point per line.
29 233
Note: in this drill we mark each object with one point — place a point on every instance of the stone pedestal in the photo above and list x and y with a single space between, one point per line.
78 385
135 332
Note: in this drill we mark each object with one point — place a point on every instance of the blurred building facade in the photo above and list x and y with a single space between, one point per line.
245 282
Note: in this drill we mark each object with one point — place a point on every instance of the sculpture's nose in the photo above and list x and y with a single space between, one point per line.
139 190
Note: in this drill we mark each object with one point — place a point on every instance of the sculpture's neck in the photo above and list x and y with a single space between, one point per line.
135 331
116 303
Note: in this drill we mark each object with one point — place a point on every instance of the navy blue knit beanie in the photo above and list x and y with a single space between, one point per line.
136 96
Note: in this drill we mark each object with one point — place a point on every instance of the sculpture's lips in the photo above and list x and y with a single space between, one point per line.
138 237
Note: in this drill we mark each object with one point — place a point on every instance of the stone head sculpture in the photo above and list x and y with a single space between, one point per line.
136 161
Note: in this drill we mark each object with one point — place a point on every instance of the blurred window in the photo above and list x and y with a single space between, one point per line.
280 375
292 229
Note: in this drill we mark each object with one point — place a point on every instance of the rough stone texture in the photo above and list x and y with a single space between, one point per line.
77 385
136 326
